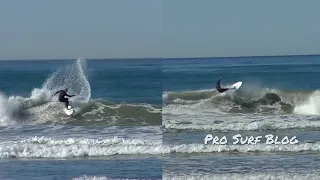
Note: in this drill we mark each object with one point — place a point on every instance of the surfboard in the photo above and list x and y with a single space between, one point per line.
237 85
69 111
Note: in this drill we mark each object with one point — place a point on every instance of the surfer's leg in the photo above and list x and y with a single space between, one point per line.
219 89
66 102
223 90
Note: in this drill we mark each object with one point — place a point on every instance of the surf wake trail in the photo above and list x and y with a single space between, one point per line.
40 106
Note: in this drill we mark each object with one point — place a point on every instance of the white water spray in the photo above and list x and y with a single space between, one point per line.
37 105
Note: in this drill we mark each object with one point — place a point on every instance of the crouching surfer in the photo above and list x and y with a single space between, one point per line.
62 94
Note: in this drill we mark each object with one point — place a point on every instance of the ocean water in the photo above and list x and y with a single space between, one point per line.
279 97
114 132
148 119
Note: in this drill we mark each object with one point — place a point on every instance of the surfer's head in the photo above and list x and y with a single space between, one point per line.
66 89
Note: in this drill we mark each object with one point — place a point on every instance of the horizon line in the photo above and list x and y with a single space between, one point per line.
149 58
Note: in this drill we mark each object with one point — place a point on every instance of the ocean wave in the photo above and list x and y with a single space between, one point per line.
41 107
255 109
94 112
201 148
265 123
251 176
85 177
44 147
252 101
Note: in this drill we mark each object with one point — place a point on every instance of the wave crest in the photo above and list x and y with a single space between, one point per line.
44 147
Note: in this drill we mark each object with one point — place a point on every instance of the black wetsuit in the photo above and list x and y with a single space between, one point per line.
62 94
221 90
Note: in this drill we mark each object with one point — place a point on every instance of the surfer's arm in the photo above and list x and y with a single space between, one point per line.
55 93
69 95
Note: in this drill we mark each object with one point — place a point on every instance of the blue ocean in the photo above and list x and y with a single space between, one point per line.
113 133
279 100
150 119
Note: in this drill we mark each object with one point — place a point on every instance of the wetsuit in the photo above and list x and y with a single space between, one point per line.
221 90
63 93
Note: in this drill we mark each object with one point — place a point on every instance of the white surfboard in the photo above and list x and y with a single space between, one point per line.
237 85
69 111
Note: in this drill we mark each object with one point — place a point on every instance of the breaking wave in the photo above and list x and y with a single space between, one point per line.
85 177
246 176
94 112
46 147
43 147
241 110
260 101
41 107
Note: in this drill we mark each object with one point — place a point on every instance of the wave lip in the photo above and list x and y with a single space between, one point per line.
311 106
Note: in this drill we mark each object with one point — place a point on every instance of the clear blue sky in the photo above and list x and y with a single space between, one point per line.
241 28
36 29
80 28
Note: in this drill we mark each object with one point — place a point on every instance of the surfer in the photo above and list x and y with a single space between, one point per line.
62 94
221 90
